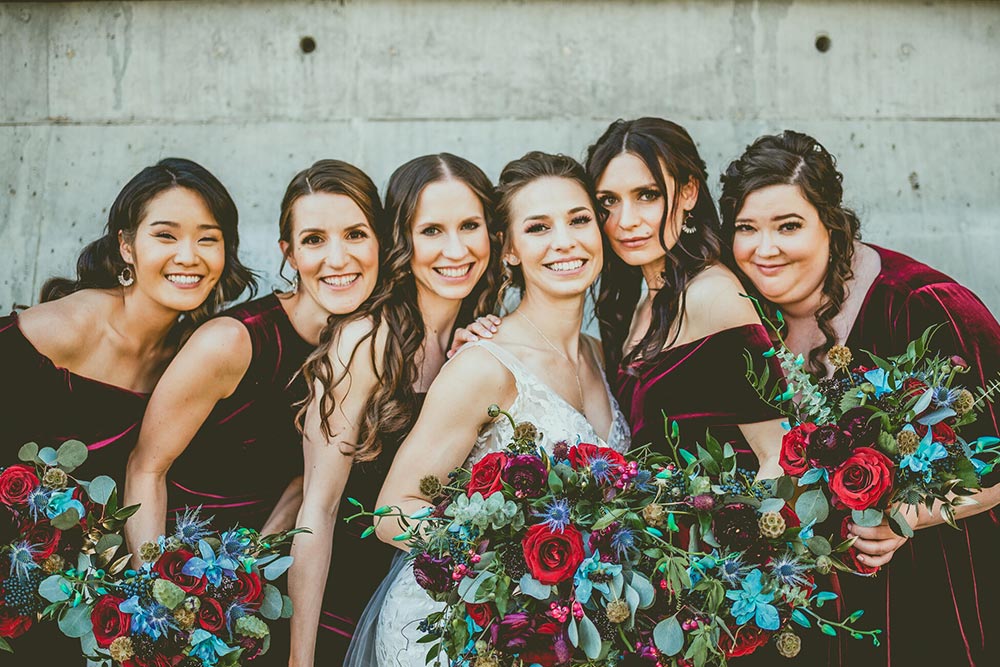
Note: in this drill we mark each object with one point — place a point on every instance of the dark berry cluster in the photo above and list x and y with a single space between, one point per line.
513 562
20 594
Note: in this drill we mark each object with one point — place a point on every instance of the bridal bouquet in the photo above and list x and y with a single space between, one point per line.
51 521
587 557
870 440
199 599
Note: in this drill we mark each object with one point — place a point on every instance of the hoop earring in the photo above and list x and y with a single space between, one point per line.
686 227
295 282
126 276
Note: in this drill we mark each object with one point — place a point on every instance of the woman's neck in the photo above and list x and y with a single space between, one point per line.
439 315
652 274
558 320
308 318
143 323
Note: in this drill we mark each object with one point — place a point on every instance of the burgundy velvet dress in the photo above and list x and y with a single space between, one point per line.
701 385
248 450
46 404
938 601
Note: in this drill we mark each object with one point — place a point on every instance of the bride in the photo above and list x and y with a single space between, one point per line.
540 368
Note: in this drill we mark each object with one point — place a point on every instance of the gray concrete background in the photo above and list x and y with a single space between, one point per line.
907 96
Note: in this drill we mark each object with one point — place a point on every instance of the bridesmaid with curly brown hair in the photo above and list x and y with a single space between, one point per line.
798 247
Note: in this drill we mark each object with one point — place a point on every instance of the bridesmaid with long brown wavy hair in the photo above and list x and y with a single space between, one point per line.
367 381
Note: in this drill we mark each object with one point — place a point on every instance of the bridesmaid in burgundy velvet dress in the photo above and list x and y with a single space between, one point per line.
685 344
938 600
81 364
220 430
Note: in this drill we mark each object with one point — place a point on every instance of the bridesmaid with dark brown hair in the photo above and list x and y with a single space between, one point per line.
798 247
81 364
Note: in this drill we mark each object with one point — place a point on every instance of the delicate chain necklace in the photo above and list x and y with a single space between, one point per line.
575 367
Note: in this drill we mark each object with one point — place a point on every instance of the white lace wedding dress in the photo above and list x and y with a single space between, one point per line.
405 603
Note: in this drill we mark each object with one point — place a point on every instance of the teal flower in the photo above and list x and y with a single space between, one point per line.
751 602
699 567
154 620
595 575
209 565
62 501
880 380
927 453
208 648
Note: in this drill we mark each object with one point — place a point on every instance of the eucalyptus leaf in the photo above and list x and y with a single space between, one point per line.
101 488
53 589
67 520
75 622
772 505
936 416
632 598
868 518
469 588
47 455
811 476
286 606
270 607
923 402
28 452
534 588
278 567
109 541
573 631
555 482
812 506
784 488
668 636
642 586
71 455
590 638
819 545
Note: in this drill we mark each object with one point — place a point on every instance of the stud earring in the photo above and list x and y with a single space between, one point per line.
126 276
688 228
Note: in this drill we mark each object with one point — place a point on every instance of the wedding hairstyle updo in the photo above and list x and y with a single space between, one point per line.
521 172
794 158
100 263
662 145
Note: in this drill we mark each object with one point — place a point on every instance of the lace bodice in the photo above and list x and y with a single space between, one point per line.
405 603
537 403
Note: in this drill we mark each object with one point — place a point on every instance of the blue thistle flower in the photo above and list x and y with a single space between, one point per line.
557 515
602 468
623 541
38 502
235 612
234 544
943 397
154 620
789 570
190 528
643 481
22 559
732 570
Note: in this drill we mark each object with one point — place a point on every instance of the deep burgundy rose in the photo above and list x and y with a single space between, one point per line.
247 588
828 446
432 573
863 479
12 625
547 646
169 566
552 557
486 475
793 457
512 633
251 647
109 622
912 388
858 424
749 638
852 553
210 615
16 484
941 433
736 527
527 474
155 660
481 613
45 539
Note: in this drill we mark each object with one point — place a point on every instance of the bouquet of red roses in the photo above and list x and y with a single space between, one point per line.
50 521
201 598
870 440
583 556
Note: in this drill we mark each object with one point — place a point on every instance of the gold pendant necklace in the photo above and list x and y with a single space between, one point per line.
574 367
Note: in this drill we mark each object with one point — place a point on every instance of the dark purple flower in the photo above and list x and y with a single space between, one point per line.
858 424
828 446
527 474
433 574
512 633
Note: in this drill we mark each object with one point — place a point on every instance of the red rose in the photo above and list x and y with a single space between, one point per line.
912 388
486 474
11 624
481 613
852 553
109 621
793 457
210 615
247 587
583 454
16 484
552 557
45 539
169 566
941 433
748 639
862 480
546 647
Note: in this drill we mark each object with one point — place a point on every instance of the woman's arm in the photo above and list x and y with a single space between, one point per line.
449 422
764 439
208 368
327 468
284 514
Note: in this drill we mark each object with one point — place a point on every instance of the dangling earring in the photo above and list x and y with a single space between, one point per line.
295 282
688 228
126 277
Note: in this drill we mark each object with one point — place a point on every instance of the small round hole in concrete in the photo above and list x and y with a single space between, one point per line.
307 44
823 43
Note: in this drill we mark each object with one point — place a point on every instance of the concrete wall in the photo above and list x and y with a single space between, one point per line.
907 95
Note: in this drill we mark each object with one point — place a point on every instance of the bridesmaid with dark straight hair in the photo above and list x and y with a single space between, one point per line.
81 364
798 247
